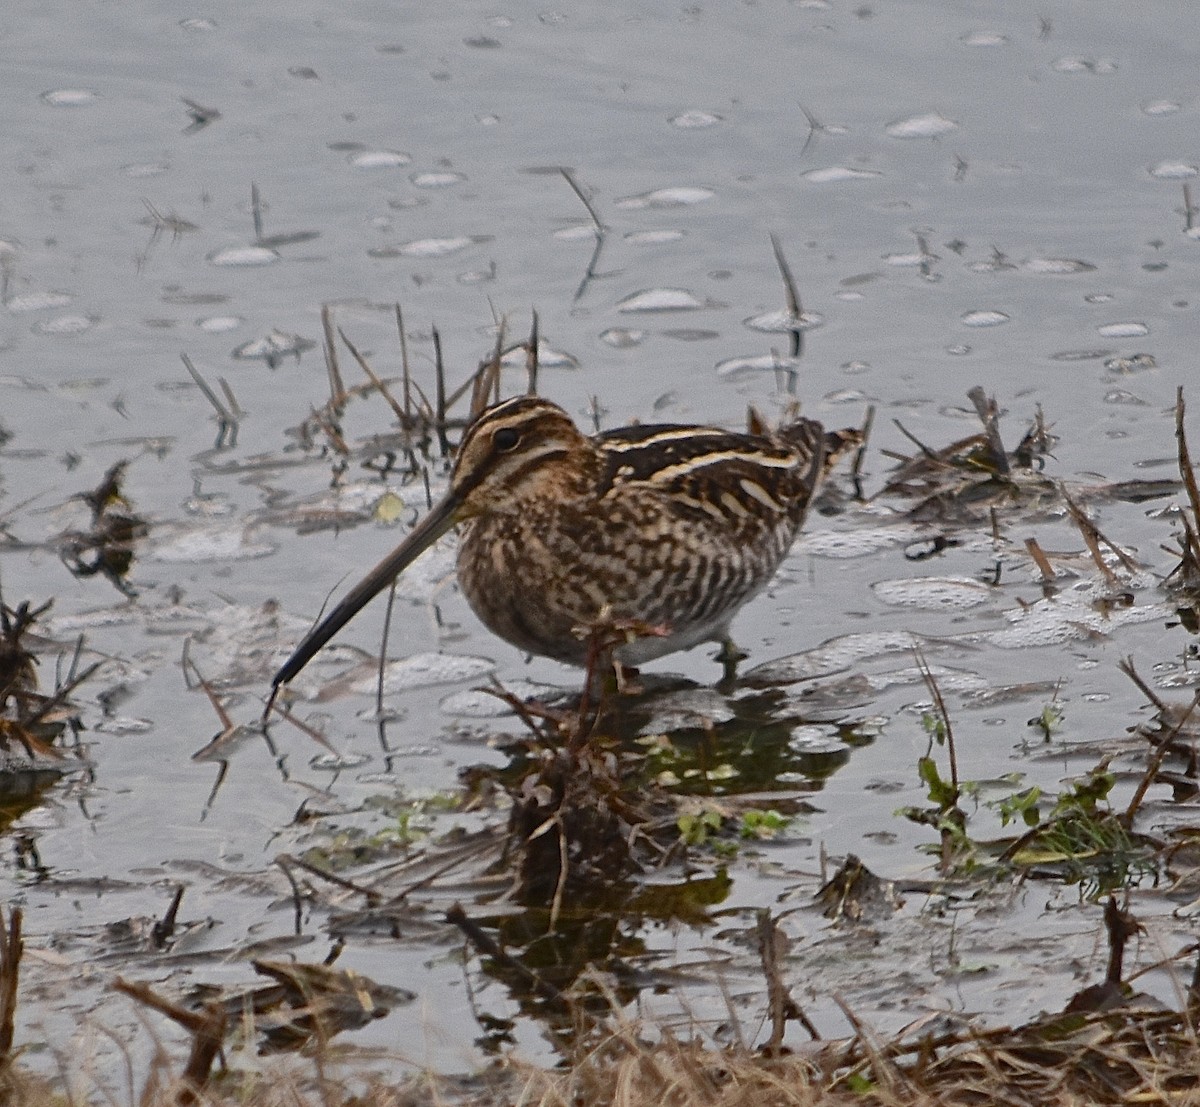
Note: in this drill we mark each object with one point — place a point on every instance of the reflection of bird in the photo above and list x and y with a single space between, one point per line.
675 526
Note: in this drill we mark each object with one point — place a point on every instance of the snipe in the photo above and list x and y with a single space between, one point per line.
676 526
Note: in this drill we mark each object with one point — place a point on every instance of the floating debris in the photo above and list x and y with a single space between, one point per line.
273 348
108 548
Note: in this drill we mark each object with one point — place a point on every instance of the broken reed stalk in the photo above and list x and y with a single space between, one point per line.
1040 560
404 366
256 211
1165 747
1094 539
792 296
1126 666
778 1001
206 1026
11 949
379 384
337 388
860 456
484 944
1185 462
439 412
564 868
487 376
531 356
599 230
223 413
989 415
927 453
1121 926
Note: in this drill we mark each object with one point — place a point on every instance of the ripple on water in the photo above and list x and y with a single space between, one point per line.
959 681
436 180
856 543
783 322
1161 107
984 318
1080 355
69 97
479 704
1173 171
124 724
1124 330
836 655
548 358
811 739
423 670
273 347
674 197
1121 396
197 545
694 119
836 174
661 299
933 593
219 324
927 125
735 368
653 238
429 247
983 38
66 324
142 170
621 338
1076 63
689 707
378 159
338 762
1133 363
36 301
910 260
240 257
1057 266
1069 616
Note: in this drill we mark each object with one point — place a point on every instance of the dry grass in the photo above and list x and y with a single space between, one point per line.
1140 1056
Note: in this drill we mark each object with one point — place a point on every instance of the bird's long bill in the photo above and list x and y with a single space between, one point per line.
440 519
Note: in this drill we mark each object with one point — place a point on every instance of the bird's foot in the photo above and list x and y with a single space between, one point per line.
729 656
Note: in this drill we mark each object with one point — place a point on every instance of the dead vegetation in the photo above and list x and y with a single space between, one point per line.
31 721
581 824
1109 1045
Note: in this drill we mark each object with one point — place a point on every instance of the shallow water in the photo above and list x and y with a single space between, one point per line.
967 194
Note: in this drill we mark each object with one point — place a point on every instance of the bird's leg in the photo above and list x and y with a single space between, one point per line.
729 656
626 677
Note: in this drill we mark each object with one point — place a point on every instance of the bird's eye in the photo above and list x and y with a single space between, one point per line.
506 439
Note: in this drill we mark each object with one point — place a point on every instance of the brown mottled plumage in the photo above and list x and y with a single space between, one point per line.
669 525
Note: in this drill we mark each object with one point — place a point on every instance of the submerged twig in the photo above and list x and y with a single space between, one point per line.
599 230
227 417
1165 746
1094 539
480 939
